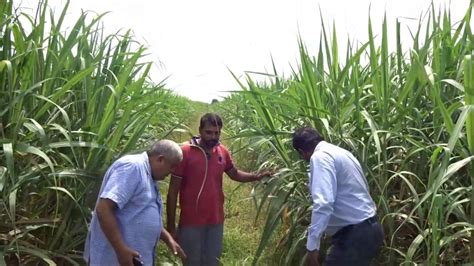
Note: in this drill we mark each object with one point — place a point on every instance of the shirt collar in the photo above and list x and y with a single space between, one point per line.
319 145
196 139
147 164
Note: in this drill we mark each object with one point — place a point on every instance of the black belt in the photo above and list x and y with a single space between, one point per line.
371 220
347 228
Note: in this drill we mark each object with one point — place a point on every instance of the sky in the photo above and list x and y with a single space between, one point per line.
195 44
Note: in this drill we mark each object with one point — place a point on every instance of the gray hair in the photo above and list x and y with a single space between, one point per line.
167 148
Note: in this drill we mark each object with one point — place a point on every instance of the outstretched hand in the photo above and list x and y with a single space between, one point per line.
172 244
176 249
265 173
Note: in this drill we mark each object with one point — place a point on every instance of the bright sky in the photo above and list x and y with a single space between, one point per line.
195 43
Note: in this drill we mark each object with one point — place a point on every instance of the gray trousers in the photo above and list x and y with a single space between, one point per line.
355 244
202 244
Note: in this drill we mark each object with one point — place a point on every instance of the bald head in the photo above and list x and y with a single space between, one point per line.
168 148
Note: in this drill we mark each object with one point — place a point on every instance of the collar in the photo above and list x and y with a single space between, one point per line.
147 164
319 145
196 139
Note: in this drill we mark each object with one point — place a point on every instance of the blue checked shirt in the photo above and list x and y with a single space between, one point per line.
128 182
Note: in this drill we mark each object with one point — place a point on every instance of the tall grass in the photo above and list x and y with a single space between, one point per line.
72 100
469 100
406 114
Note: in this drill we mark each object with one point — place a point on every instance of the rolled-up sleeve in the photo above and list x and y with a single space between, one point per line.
121 183
323 188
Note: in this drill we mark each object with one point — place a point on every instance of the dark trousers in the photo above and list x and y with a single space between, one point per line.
355 244
201 244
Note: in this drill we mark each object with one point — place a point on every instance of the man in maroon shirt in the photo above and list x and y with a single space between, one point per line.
198 181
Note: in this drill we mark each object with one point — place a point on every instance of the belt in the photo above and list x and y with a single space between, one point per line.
347 228
371 220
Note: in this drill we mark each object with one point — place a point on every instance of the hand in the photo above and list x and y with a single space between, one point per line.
312 258
176 248
263 174
125 256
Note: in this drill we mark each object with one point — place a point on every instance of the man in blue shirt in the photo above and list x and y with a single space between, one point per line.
342 205
126 223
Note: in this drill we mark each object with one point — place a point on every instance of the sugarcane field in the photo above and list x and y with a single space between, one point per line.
346 144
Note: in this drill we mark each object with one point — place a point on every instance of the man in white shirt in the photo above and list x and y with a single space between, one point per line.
342 205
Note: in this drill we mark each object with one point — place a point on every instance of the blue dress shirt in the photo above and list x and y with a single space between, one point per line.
339 191
128 182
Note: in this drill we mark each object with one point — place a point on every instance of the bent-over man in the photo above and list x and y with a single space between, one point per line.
342 205
127 222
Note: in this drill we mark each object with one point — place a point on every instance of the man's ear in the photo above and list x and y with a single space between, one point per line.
160 158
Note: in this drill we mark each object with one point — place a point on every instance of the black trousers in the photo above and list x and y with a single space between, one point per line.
356 244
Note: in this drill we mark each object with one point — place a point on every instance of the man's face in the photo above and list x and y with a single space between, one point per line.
161 167
210 135
304 155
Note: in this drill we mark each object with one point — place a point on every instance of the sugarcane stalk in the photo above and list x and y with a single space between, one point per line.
469 100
